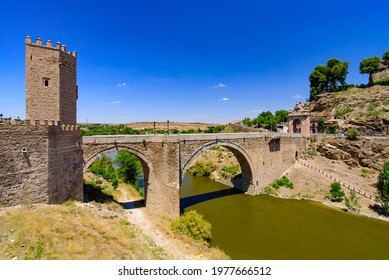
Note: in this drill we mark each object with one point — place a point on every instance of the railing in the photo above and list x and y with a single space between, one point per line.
368 196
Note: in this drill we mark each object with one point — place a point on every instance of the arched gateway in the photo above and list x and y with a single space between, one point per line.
165 159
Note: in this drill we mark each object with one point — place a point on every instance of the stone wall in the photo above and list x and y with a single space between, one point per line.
40 163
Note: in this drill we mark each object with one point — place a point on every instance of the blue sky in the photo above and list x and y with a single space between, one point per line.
198 61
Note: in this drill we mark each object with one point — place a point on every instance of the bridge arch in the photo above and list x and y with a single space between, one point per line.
242 181
145 162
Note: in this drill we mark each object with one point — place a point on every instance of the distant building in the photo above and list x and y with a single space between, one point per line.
299 120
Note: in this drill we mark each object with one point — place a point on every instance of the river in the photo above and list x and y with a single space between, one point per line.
265 227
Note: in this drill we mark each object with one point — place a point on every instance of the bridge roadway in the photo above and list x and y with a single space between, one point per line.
263 157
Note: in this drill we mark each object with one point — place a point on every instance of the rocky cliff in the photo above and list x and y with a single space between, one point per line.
369 152
364 108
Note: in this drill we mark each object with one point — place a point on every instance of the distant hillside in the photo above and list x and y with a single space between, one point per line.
365 108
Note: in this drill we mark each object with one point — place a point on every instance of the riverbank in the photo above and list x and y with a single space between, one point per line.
310 184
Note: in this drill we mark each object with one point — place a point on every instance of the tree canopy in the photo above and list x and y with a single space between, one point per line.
369 66
385 58
267 119
328 78
128 166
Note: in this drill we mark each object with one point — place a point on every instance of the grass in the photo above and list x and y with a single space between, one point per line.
72 231
367 172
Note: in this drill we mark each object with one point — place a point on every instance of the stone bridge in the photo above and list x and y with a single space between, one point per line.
165 159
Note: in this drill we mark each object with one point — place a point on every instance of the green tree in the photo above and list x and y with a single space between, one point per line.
318 80
128 166
385 58
103 166
383 187
281 116
328 78
321 125
336 74
336 192
246 121
370 66
352 203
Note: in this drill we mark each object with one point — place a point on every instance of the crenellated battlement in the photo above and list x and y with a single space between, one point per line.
37 124
49 44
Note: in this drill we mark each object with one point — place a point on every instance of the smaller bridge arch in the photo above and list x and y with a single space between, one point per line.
145 162
242 181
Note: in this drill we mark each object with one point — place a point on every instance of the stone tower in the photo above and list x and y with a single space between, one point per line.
51 86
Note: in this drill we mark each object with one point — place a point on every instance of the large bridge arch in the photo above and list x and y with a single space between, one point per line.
242 182
145 162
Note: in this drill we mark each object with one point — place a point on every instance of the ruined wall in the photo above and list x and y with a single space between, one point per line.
40 163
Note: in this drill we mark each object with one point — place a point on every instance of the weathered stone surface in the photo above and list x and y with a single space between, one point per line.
39 164
369 152
165 159
51 87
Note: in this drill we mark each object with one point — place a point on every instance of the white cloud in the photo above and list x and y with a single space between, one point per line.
256 111
297 96
224 99
126 117
122 84
220 85
113 102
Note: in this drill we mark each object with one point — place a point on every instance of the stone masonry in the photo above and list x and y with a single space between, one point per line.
51 87
41 158
40 163
165 159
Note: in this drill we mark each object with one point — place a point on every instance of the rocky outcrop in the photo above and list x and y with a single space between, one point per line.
369 152
364 108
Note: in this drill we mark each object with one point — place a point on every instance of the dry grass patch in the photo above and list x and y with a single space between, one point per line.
76 231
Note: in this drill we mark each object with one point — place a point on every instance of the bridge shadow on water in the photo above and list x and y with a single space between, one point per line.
195 199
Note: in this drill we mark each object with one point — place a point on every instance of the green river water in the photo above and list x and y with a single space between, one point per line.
265 227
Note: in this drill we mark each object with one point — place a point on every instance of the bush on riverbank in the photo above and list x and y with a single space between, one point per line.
336 192
283 181
230 171
193 225
352 203
202 168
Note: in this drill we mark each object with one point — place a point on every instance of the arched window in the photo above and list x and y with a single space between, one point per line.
46 83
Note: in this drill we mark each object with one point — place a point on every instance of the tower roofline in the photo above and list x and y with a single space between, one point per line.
49 44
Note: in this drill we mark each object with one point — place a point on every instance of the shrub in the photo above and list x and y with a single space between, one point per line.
193 225
343 111
231 170
201 168
383 187
270 191
283 181
352 133
336 192
352 203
